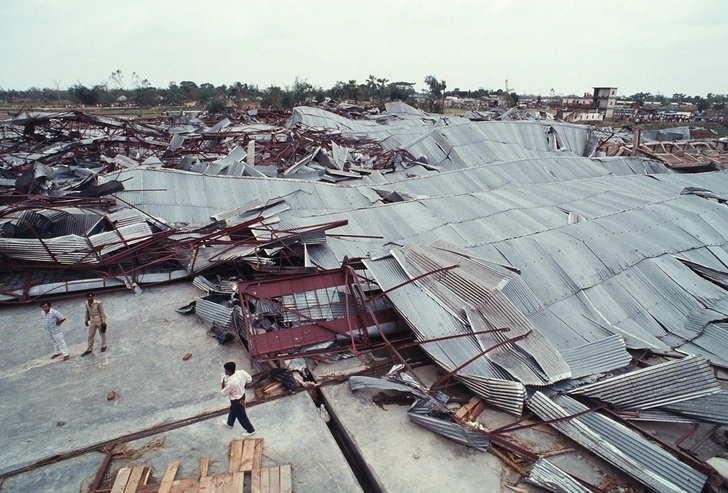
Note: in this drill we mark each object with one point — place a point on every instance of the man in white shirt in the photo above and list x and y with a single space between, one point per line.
52 321
233 387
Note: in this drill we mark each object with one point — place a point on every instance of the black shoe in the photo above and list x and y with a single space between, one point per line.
85 353
103 349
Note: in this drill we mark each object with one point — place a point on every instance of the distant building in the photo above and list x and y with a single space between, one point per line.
576 102
605 98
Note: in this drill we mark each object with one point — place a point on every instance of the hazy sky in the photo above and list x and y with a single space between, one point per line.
664 46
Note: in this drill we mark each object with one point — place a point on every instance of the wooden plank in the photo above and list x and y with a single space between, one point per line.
191 485
122 477
175 486
476 411
238 482
207 484
134 479
257 453
272 388
236 454
465 408
246 461
275 479
166 484
145 475
149 488
204 464
265 480
255 481
286 479
224 483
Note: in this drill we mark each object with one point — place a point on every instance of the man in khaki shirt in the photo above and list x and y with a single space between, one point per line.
95 320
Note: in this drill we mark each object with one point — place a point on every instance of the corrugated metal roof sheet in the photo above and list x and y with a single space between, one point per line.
659 385
632 223
622 447
600 356
711 408
429 321
213 313
712 343
548 476
321 256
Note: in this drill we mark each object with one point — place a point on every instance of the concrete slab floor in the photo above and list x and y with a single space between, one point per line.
292 433
49 407
403 456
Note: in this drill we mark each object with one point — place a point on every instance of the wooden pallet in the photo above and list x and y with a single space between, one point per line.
245 456
272 480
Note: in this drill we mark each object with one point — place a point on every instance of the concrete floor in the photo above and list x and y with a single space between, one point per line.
402 456
49 407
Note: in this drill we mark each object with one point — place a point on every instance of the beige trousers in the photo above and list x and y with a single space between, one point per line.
92 328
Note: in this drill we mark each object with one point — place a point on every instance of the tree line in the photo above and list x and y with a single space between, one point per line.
141 93
374 90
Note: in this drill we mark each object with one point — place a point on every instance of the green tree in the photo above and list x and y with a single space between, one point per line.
84 95
205 92
352 91
189 90
301 90
436 91
216 105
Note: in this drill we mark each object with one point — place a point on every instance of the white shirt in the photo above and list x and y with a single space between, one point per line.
235 385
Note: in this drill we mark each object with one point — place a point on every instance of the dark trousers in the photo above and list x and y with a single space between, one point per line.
237 410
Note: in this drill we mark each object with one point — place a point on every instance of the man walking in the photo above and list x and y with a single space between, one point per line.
234 387
52 321
95 320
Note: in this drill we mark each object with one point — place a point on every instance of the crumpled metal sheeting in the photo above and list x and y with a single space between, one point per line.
307 117
428 320
204 284
126 217
321 256
213 255
504 394
469 144
548 476
193 198
425 411
475 287
112 241
453 431
711 343
596 357
622 447
659 385
247 207
213 313
64 250
656 415
629 165
711 408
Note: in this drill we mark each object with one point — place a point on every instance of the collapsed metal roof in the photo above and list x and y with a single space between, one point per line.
517 258
646 462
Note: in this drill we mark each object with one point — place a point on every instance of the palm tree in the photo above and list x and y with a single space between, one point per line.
372 85
382 83
352 90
